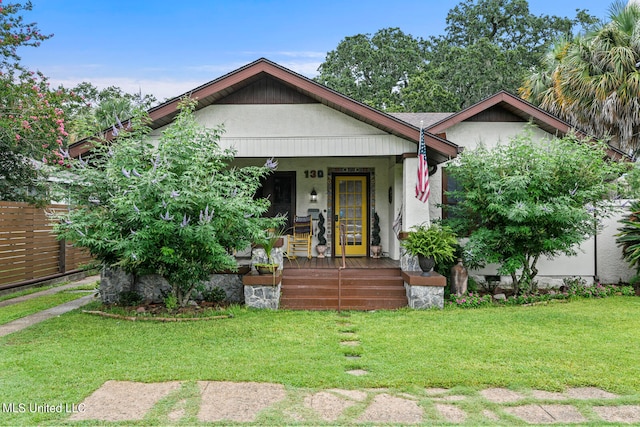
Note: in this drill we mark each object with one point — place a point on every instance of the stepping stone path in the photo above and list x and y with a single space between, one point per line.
328 405
547 414
390 409
237 401
247 402
123 401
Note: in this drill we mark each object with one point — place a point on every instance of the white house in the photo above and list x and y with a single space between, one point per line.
355 158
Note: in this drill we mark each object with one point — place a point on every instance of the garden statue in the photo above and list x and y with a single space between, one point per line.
459 277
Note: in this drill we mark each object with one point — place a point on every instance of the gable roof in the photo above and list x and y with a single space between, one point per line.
439 149
514 105
427 119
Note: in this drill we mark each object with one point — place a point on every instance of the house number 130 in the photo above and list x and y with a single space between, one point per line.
314 173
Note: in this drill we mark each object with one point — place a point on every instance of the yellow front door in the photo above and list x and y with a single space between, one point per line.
351 210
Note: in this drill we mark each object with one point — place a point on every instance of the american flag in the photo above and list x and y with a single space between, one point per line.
422 185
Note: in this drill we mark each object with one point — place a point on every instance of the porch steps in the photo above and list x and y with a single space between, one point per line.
362 289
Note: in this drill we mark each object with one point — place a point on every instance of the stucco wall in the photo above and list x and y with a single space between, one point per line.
610 267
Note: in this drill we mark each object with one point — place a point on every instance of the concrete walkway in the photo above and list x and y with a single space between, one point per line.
25 322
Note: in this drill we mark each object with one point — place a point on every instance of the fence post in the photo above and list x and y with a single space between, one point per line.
62 256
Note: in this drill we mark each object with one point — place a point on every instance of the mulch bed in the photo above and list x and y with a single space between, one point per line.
159 313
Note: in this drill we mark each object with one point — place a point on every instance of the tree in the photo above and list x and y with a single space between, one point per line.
32 134
32 119
173 207
15 33
593 81
527 199
490 45
373 69
456 87
97 110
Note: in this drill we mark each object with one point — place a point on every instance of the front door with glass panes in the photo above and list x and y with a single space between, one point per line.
350 209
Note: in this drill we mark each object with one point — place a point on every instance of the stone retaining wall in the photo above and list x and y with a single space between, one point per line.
153 287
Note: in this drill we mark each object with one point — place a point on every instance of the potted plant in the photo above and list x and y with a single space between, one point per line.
270 241
376 249
432 244
321 247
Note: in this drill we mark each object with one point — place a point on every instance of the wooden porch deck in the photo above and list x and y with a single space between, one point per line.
365 284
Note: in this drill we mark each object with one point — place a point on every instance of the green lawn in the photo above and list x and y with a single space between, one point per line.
34 305
29 291
584 342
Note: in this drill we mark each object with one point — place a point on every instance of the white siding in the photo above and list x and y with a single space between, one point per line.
296 130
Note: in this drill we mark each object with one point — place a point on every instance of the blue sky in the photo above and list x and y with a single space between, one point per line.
167 48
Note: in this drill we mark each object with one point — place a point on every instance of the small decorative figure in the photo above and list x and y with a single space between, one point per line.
459 277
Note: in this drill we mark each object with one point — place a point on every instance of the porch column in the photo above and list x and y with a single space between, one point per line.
414 212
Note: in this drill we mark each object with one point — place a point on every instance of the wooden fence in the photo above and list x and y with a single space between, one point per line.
29 251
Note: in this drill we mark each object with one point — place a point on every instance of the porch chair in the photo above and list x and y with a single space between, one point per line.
300 239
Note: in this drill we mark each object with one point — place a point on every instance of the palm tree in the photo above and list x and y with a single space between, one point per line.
593 81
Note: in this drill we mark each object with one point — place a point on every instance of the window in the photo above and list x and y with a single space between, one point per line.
280 189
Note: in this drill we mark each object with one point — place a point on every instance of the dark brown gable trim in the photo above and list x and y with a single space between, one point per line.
495 114
266 90
527 109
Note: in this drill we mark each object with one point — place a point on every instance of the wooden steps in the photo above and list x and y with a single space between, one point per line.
361 289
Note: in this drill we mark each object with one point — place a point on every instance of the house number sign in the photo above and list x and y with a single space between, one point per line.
314 173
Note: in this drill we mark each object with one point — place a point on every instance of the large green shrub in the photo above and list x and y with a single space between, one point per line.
172 206
529 198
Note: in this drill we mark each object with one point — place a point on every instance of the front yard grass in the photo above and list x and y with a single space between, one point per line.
29 291
585 342
34 305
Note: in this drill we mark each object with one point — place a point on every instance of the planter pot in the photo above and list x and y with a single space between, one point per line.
426 264
376 251
267 268
321 250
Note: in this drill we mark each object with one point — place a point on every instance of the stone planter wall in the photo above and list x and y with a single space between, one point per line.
424 291
152 287
262 291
